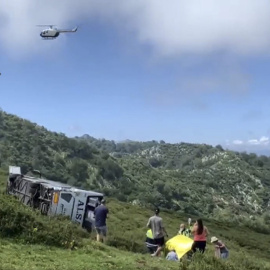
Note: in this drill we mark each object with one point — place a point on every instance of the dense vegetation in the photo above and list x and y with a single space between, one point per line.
192 178
31 241
28 145
187 178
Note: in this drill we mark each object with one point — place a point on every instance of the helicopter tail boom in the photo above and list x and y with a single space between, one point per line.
68 31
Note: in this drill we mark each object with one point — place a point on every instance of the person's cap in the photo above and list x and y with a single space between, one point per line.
213 239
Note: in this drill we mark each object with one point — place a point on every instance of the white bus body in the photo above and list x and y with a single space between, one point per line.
54 198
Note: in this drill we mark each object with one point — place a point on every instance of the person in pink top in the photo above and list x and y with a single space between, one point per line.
200 234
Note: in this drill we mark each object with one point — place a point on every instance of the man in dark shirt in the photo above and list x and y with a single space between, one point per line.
101 214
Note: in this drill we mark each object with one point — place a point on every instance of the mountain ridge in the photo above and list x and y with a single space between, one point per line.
204 159
198 179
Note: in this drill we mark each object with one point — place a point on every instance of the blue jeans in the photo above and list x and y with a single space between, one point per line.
224 255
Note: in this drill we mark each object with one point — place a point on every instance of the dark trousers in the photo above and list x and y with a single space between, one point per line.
151 246
200 245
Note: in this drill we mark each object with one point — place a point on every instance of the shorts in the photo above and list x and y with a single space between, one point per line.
102 230
200 245
159 241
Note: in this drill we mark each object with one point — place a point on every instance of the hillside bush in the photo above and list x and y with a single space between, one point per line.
209 262
22 223
126 231
257 225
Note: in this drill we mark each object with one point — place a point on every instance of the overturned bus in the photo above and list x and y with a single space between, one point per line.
54 198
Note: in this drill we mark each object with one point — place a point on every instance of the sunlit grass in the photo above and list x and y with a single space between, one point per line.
125 247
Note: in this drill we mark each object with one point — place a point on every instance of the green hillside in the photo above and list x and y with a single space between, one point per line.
29 240
191 178
29 145
196 179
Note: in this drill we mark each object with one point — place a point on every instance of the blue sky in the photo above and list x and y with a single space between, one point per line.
131 72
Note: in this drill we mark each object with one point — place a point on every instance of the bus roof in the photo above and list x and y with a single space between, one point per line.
60 186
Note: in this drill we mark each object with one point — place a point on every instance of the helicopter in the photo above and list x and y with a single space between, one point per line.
52 32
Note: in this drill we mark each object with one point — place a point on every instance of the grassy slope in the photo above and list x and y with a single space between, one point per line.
94 256
249 250
132 219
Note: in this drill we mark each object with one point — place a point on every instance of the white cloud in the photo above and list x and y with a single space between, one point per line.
262 141
253 141
170 28
237 142
260 146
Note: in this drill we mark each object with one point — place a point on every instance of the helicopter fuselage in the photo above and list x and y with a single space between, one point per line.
49 34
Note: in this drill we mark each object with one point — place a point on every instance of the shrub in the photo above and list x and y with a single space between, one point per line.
21 222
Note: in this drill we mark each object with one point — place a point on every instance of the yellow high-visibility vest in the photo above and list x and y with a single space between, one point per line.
149 234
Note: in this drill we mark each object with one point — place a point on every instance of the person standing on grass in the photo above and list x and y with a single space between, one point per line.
200 233
155 223
101 215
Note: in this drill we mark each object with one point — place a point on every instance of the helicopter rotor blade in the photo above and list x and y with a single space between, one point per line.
43 25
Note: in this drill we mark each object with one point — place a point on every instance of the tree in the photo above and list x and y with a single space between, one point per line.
79 170
154 162
219 147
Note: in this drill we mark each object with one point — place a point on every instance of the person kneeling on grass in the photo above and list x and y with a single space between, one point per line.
172 256
221 250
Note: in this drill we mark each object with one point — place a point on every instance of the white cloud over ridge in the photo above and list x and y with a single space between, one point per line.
262 141
260 146
171 28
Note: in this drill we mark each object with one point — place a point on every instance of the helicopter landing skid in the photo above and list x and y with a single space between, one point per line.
48 38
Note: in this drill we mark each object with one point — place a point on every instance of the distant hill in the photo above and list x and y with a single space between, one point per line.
194 178
197 179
